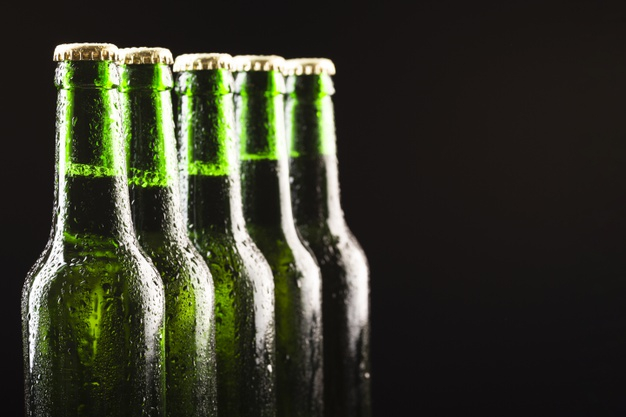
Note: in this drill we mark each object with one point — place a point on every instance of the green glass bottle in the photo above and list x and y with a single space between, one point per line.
259 98
244 287
146 83
311 139
93 303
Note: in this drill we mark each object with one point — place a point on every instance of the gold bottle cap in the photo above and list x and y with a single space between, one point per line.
86 51
203 61
308 66
258 63
145 55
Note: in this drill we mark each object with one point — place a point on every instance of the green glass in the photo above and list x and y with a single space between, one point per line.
315 196
259 90
244 288
146 94
93 303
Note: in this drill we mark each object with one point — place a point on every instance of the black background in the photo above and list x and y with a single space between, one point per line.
482 152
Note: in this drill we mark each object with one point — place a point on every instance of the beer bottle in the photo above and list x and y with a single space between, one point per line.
244 287
315 197
146 83
93 303
259 91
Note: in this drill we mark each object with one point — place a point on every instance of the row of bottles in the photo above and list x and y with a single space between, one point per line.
199 263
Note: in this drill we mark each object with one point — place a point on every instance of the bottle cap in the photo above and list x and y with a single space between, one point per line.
203 61
308 66
145 55
258 63
85 52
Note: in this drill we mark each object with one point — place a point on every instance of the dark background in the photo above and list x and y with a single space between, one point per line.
482 151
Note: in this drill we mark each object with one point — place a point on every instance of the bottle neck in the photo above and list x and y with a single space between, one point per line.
148 121
91 198
259 101
208 151
311 138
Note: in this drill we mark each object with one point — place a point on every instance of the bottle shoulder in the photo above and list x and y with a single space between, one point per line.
177 250
233 252
93 263
286 252
335 245
180 264
331 237
123 274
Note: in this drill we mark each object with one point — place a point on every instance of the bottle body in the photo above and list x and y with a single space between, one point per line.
321 223
153 186
190 350
93 304
94 344
244 303
267 211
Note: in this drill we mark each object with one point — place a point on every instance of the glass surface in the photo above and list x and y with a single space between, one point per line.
267 210
93 303
314 180
244 287
148 122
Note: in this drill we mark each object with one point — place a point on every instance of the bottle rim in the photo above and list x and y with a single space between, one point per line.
203 61
145 55
245 63
85 51
308 66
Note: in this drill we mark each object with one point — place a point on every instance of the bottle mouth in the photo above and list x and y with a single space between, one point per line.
145 55
203 61
309 66
245 63
86 51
